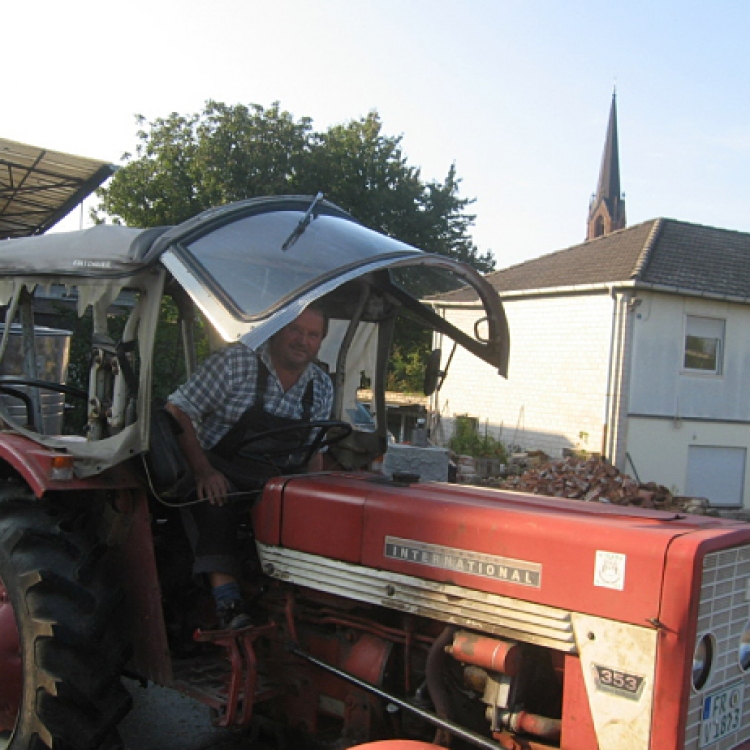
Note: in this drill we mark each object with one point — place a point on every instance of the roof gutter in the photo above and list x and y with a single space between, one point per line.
599 288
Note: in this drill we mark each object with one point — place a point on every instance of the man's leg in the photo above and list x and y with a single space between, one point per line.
213 534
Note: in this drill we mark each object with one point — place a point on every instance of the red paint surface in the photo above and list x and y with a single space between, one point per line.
146 628
396 745
490 653
578 731
678 618
34 463
325 522
347 517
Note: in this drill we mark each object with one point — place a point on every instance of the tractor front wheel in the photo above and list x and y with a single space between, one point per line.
60 651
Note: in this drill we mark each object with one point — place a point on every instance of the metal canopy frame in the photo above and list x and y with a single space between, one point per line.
39 187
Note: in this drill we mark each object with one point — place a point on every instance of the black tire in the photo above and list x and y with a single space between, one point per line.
54 580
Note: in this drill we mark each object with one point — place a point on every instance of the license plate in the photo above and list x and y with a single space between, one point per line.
722 714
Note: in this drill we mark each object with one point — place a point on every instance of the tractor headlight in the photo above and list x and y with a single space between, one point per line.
745 648
703 659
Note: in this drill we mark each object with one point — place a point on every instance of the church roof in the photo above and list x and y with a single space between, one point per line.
607 207
608 189
670 254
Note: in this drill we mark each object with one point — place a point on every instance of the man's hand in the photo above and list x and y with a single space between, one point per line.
211 485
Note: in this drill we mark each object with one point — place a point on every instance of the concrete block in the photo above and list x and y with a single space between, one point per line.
430 463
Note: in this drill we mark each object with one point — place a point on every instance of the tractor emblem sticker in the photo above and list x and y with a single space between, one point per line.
505 569
609 571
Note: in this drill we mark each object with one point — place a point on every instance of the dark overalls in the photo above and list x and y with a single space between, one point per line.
247 466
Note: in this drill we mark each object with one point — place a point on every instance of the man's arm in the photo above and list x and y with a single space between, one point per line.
315 464
210 484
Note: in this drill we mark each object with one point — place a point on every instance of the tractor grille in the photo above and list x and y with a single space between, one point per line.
479 610
725 612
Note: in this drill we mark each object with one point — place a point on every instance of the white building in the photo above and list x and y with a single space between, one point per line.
635 345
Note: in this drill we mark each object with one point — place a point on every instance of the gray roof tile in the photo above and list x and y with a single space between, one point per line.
661 251
701 259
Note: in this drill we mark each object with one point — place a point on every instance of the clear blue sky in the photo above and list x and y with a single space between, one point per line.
515 92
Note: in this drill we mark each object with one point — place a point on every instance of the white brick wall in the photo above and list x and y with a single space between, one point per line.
557 380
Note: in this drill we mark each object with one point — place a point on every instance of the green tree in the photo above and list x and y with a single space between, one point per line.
185 164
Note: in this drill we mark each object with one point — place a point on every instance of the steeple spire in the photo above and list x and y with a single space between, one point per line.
607 207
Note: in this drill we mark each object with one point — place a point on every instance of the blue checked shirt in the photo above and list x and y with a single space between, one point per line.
222 389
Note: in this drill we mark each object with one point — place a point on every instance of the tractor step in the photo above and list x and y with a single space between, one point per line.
222 681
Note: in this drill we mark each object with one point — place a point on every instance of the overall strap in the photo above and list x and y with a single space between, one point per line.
307 400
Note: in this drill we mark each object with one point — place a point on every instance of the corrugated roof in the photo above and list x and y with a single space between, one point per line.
38 187
692 257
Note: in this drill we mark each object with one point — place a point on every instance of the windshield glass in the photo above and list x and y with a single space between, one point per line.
421 281
247 263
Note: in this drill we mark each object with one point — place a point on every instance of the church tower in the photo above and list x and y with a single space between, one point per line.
607 207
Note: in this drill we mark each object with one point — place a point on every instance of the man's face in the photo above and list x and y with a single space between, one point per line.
297 344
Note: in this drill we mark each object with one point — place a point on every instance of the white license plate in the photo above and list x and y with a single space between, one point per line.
722 714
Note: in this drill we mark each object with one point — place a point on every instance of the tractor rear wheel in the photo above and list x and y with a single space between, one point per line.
60 652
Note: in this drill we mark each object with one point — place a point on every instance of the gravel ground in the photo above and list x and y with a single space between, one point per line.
164 719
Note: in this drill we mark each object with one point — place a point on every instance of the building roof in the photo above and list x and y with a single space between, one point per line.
38 187
670 254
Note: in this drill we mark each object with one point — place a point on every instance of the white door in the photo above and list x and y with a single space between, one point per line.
717 473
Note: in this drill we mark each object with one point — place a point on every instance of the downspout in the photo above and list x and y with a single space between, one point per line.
620 343
616 380
619 380
610 364
615 421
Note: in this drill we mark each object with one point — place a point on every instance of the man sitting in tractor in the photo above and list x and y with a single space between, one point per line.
235 394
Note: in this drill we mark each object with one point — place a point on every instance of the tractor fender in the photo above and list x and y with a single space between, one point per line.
34 464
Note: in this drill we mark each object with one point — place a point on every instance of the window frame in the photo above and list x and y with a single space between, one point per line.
718 355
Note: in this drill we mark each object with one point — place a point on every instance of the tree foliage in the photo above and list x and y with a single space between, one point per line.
185 164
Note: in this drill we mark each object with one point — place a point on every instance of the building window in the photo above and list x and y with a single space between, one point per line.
704 344
599 226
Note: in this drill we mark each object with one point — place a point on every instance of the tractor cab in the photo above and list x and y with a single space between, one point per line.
143 307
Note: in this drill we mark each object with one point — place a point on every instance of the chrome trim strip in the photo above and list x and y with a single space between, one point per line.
478 610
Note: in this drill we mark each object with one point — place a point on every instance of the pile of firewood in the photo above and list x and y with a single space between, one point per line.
594 480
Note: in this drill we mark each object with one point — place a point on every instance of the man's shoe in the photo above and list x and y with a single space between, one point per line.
233 615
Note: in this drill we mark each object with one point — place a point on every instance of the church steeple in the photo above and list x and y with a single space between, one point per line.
607 207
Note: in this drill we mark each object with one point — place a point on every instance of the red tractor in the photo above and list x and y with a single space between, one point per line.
395 611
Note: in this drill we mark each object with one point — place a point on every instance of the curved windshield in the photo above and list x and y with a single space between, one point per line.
247 261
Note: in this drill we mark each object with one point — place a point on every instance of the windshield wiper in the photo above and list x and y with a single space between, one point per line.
303 223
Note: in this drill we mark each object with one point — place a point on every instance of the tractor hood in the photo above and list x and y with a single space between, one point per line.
451 552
